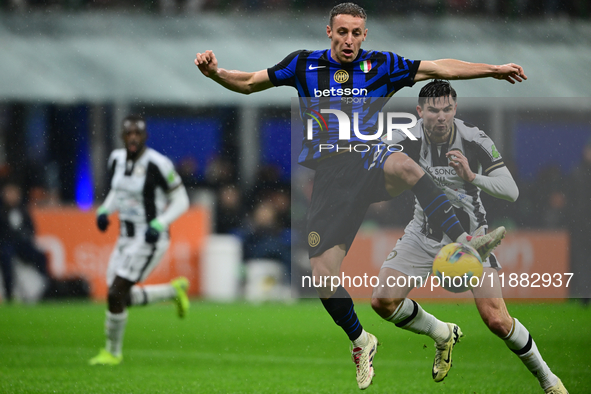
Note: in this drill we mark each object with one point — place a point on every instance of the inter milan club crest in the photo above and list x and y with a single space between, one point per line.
365 66
313 239
341 76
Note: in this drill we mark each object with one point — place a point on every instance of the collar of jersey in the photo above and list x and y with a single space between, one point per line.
359 56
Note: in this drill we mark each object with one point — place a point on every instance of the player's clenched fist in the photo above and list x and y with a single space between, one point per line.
207 63
460 164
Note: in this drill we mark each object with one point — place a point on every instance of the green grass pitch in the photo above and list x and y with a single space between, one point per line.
273 348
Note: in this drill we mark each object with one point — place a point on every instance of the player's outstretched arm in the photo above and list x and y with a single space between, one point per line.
451 69
499 183
177 205
237 81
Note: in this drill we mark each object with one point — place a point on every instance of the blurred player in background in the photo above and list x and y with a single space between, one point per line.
346 183
149 195
17 237
466 161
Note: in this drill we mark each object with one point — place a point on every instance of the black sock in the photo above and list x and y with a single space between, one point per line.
437 207
340 307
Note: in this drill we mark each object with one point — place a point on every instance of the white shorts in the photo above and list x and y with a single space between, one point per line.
414 253
134 259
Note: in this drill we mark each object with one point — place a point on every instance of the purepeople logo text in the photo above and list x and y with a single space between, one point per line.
345 125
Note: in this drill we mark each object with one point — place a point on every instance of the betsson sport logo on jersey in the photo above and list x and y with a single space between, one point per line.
333 92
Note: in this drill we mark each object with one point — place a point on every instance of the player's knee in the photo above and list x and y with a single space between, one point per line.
497 325
384 307
116 297
404 168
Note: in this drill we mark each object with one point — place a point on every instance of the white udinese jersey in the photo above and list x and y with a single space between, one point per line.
483 157
140 188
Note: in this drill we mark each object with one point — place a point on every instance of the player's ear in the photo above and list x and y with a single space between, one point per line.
364 34
328 31
420 111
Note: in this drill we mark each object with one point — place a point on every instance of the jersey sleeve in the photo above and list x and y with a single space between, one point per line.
111 163
284 72
402 71
489 157
171 178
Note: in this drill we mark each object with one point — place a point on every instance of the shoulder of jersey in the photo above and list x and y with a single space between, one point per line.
417 130
157 157
311 53
371 54
118 154
469 132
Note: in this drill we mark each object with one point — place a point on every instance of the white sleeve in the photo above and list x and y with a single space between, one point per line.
499 183
109 205
177 205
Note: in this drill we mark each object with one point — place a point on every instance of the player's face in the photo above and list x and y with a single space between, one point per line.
134 136
438 117
346 35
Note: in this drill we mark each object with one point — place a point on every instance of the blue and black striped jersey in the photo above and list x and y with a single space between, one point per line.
358 87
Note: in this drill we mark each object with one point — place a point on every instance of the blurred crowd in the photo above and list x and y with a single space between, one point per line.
260 214
488 8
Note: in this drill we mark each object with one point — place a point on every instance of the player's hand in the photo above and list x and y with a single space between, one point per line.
510 72
102 221
153 231
459 163
207 63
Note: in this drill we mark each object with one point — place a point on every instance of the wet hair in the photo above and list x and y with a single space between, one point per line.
347 9
436 88
134 118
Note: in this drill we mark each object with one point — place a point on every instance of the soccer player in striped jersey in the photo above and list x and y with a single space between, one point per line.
463 161
148 194
346 183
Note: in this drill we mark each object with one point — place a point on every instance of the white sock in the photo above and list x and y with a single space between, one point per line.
410 316
114 330
143 295
362 341
521 343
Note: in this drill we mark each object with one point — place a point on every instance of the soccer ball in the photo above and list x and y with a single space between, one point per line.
458 267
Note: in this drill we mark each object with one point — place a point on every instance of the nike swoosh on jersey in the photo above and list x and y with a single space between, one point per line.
448 209
314 68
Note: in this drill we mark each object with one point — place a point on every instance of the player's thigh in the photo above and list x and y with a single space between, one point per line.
393 284
401 173
342 192
328 263
139 259
116 259
408 266
489 287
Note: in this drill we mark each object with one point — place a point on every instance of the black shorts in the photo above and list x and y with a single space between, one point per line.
344 187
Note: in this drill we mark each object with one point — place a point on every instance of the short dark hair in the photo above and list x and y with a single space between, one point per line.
135 118
347 9
436 88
